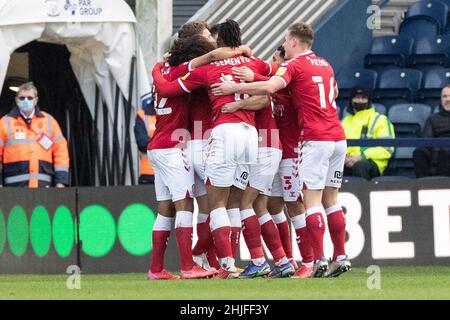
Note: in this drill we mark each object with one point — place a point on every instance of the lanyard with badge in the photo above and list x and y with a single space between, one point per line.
43 140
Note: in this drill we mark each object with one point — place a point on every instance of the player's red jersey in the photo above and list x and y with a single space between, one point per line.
267 128
286 119
310 80
213 73
200 115
172 114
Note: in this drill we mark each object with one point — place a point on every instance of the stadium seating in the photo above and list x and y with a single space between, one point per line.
434 81
408 121
425 18
397 86
350 78
431 52
389 51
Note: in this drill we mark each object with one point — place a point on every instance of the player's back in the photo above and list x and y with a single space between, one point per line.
286 119
172 114
200 114
219 71
312 91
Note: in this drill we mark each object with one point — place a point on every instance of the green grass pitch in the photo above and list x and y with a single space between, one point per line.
396 283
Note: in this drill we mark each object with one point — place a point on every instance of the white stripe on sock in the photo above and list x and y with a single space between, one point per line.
235 217
279 218
247 213
299 221
202 217
313 210
219 219
163 223
333 209
183 219
264 219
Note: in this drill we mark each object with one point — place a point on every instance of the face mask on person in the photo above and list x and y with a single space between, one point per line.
25 105
358 106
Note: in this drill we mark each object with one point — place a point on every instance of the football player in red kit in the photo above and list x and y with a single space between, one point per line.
310 80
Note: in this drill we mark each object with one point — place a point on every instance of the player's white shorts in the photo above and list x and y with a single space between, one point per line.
321 164
196 154
286 183
263 172
231 148
174 176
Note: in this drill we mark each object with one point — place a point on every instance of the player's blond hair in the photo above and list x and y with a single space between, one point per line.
303 32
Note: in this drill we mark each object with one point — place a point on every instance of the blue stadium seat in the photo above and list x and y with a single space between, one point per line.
397 86
380 108
425 18
431 51
434 81
349 78
389 51
447 2
408 121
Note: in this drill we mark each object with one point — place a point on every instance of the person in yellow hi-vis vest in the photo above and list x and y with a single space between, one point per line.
144 129
363 122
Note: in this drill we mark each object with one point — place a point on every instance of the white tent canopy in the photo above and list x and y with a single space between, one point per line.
99 34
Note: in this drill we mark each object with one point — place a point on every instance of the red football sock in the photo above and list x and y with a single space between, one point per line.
304 245
184 241
204 238
252 233
303 238
271 237
285 235
183 232
221 230
211 255
336 225
159 242
315 225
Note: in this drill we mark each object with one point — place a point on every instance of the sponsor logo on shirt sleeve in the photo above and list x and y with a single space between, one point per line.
281 71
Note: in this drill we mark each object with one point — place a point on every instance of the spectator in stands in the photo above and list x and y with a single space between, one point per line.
33 150
144 128
363 122
433 161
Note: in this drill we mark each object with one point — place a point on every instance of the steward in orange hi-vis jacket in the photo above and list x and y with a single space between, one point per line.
144 129
33 151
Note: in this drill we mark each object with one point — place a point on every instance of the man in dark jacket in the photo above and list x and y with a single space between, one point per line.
431 161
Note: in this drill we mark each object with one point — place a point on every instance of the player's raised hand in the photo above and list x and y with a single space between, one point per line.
246 51
244 74
222 89
231 107
157 69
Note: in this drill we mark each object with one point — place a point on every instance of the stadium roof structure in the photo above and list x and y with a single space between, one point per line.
101 36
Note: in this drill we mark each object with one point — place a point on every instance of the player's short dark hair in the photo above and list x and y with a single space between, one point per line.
186 49
229 34
214 29
303 32
192 28
282 52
